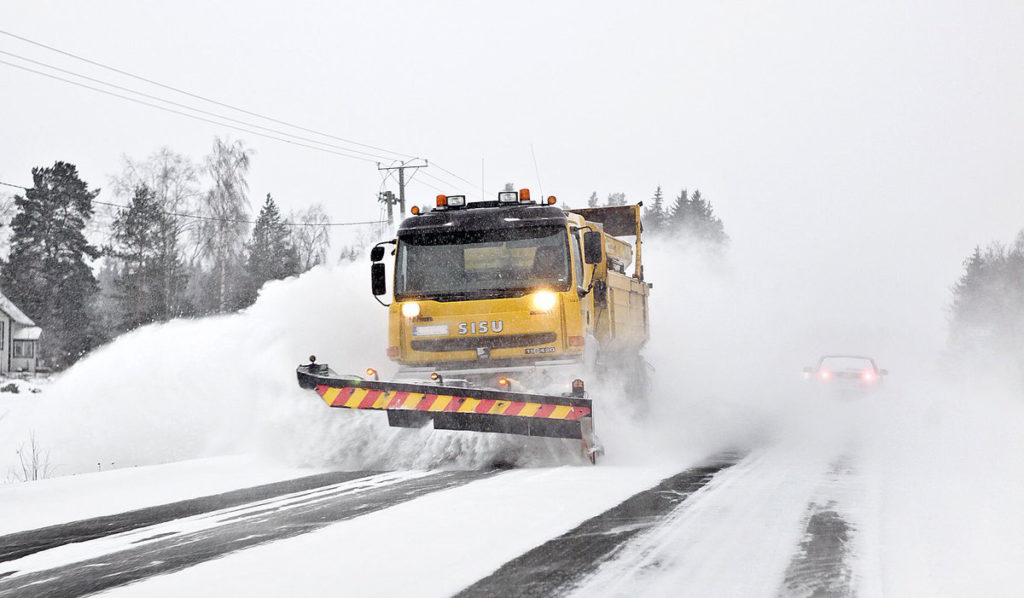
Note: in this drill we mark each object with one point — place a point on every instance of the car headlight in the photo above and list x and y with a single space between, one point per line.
544 300
411 309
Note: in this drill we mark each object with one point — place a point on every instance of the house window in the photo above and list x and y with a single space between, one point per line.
25 349
2 335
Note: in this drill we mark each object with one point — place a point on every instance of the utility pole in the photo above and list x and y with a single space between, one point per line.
388 198
401 179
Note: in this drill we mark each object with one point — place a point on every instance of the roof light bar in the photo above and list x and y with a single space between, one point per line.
508 197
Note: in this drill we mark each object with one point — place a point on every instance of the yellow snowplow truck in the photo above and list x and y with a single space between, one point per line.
497 311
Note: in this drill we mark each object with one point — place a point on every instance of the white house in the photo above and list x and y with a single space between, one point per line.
19 337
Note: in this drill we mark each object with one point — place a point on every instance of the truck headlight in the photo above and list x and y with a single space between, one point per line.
544 300
411 309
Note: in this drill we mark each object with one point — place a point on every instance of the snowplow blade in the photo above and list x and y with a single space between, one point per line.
411 405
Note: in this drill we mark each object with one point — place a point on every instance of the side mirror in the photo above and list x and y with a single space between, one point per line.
377 253
377 282
592 250
808 370
884 372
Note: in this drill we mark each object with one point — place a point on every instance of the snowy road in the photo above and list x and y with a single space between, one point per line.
673 530
89 556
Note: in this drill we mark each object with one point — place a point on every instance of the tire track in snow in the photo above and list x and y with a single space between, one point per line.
822 566
161 553
733 537
555 566
20 544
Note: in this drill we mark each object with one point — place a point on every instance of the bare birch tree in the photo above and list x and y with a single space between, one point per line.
225 209
174 181
311 236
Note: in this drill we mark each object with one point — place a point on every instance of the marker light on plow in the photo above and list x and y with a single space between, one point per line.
372 373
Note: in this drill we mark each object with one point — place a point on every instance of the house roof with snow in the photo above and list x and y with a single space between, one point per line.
12 310
27 333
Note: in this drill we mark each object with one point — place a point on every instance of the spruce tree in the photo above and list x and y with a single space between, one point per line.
47 275
679 216
693 218
594 201
139 235
271 255
654 216
707 226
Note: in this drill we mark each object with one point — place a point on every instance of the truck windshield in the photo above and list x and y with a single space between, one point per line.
481 264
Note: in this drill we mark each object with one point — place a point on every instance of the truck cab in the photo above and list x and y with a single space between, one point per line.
506 287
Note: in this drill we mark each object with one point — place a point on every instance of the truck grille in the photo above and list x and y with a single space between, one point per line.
470 343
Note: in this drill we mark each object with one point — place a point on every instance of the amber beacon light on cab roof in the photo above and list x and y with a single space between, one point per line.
498 311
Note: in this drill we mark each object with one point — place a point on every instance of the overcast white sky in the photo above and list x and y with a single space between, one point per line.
880 140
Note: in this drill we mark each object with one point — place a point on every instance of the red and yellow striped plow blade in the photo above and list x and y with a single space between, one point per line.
353 397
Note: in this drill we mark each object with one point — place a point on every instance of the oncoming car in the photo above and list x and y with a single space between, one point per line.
846 371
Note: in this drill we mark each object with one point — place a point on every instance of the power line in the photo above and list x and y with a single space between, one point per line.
193 116
200 97
241 221
187 107
214 218
215 115
442 168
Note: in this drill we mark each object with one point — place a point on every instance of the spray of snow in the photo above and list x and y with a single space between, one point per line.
194 388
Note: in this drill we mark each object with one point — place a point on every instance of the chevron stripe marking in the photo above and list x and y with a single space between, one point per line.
370 398
514 408
469 406
364 398
397 400
355 398
560 412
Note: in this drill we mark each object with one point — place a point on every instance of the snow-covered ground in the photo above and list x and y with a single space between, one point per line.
432 546
38 504
932 495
